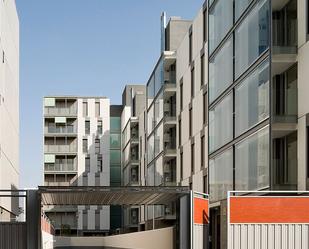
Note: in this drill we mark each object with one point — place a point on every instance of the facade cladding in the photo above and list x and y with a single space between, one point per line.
9 107
82 148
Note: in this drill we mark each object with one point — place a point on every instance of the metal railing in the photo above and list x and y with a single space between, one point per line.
60 111
60 129
60 148
60 167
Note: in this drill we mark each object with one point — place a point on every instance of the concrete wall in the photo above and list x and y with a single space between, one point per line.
152 239
303 89
9 100
184 75
104 176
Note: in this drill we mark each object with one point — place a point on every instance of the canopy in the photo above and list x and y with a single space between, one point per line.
102 195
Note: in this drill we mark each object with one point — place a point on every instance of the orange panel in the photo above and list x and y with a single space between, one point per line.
201 211
269 210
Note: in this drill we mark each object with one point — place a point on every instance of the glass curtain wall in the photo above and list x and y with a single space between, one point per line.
238 96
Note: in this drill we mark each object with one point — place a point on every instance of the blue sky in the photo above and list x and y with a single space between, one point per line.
83 47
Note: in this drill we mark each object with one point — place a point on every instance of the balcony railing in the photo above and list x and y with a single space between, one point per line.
60 148
61 111
60 167
70 129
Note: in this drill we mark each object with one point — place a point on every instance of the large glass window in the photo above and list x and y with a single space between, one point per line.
150 119
115 157
150 148
252 162
158 112
158 77
221 123
158 140
150 175
220 22
159 171
240 6
115 140
221 175
150 90
221 71
252 99
252 37
115 124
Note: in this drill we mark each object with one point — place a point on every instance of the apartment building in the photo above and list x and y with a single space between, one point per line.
161 122
257 128
9 107
77 151
133 101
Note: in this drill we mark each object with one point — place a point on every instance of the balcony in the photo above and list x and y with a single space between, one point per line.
60 111
54 148
285 107
284 34
60 130
65 167
169 169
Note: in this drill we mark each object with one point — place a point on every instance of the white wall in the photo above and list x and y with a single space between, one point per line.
184 73
9 98
152 239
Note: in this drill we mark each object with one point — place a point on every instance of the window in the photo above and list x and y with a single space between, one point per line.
179 132
150 175
223 62
115 157
190 46
252 37
205 108
85 109
205 187
99 164
202 151
97 146
181 95
240 7
252 99
221 175
99 127
115 140
192 158
87 127
85 146
97 109
205 25
285 162
190 122
202 69
221 123
181 165
87 164
252 162
192 83
223 10
115 124
150 148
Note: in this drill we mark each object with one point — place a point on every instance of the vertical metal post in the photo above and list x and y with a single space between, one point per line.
191 218
153 217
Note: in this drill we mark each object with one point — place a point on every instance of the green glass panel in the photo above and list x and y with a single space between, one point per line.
115 141
115 124
115 157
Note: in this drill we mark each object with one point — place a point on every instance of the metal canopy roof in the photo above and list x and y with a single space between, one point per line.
101 195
